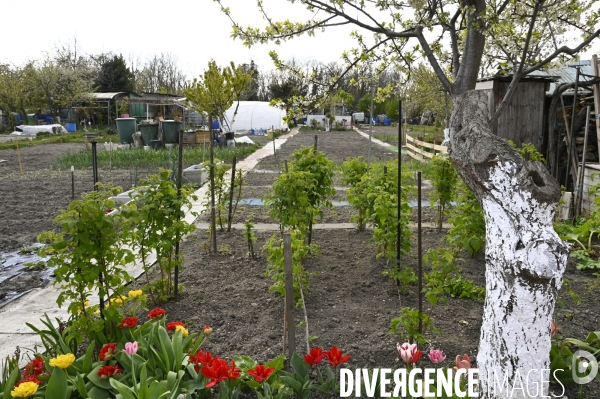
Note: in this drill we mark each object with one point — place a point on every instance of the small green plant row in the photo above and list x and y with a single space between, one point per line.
144 159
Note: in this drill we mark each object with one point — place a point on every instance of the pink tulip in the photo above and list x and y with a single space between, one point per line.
463 363
131 348
409 353
436 356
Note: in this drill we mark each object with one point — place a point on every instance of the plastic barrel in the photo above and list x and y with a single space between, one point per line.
387 121
126 128
49 119
149 132
171 131
71 127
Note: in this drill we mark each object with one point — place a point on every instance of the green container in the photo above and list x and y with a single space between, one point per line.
126 128
149 132
171 131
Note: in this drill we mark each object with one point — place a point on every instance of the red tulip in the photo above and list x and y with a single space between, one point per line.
128 322
172 326
156 313
314 357
35 367
261 373
108 351
334 355
201 358
216 371
108 371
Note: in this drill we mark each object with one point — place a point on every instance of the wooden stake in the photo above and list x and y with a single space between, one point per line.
596 99
213 217
231 194
72 183
18 153
289 294
419 254
179 213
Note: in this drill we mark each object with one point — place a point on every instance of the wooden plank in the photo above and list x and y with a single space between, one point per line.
410 138
415 156
419 151
440 148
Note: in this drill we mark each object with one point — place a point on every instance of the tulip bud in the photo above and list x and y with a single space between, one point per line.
207 330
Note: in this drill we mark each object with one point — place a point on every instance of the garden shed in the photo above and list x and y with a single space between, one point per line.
524 117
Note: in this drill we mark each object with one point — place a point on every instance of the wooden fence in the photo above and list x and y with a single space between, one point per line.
421 150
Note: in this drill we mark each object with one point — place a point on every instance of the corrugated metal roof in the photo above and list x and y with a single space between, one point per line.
568 74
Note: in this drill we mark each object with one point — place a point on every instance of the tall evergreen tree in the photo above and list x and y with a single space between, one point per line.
115 76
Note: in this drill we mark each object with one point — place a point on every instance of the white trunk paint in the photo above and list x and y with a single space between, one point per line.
525 259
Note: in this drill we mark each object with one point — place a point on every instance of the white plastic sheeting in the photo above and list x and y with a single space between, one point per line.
34 130
255 115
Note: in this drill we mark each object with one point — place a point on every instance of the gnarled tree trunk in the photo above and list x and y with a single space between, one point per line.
525 258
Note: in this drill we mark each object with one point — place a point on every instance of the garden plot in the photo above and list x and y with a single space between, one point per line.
350 303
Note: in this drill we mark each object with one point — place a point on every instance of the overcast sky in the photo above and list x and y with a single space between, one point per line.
193 31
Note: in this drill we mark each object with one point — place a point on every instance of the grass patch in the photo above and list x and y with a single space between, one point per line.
45 139
433 130
387 138
165 158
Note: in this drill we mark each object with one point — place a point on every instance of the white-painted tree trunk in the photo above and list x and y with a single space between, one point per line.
525 259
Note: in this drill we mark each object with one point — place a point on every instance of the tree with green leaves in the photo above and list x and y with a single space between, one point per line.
17 93
211 95
525 258
115 76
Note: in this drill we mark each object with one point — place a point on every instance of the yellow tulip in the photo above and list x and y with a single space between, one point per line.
135 294
184 331
24 390
63 361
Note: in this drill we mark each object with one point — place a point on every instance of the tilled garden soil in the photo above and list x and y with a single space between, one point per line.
349 302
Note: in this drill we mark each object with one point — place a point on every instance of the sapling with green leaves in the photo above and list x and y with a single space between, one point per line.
276 267
250 237
444 181
353 170
222 189
468 222
211 96
289 202
158 219
321 172
88 255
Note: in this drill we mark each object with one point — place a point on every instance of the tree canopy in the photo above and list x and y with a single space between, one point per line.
217 89
456 37
115 76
